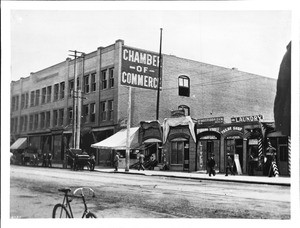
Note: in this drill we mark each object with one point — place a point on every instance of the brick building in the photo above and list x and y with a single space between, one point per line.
42 103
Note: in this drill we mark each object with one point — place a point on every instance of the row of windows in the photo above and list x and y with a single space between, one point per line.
42 120
89 85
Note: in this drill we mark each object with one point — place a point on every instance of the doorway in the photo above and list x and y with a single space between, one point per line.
233 146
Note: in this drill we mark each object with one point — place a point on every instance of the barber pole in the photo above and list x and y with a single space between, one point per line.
260 150
289 154
275 169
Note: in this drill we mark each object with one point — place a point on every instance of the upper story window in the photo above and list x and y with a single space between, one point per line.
86 84
183 86
56 90
85 113
103 111
61 117
104 79
55 118
185 108
32 98
49 92
22 101
71 87
44 92
70 115
93 82
31 117
110 110
42 115
111 77
62 90
37 97
36 121
17 102
13 103
92 112
26 100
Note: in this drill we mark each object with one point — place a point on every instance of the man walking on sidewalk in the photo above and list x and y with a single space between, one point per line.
211 165
229 166
141 161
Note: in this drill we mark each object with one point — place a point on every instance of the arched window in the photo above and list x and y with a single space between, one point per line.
185 108
183 86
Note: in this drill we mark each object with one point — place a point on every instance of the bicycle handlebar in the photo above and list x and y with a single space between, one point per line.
81 190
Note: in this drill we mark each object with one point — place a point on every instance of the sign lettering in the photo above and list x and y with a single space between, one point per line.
246 118
139 68
211 120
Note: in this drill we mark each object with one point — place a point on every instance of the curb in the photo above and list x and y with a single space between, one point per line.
201 178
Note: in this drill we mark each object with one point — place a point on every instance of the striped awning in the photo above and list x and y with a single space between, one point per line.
21 143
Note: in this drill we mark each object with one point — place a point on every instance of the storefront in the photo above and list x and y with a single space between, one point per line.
150 138
208 142
179 143
241 140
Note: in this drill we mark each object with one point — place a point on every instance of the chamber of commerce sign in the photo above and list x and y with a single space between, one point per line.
139 68
246 118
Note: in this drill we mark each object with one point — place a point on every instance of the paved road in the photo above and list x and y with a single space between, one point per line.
34 193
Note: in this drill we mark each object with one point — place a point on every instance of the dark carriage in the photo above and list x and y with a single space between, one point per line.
78 160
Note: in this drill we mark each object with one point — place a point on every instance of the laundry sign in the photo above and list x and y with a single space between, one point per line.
246 118
139 68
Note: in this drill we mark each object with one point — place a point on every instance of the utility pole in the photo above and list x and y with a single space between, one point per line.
76 103
159 76
127 155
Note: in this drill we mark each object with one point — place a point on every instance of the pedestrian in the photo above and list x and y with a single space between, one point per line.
211 165
141 161
44 164
116 161
251 165
229 166
93 161
49 159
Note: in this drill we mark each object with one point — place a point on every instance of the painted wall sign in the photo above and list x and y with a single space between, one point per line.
246 118
139 68
211 120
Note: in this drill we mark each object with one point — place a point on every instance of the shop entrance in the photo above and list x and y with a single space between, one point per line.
207 147
233 146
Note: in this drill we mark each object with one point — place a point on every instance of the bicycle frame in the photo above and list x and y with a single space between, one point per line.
66 200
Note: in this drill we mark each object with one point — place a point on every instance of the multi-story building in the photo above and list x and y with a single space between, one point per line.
42 103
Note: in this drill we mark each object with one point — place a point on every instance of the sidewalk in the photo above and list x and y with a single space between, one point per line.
284 181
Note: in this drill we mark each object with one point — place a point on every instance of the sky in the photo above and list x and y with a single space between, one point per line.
253 41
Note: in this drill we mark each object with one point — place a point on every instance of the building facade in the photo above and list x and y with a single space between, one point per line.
42 104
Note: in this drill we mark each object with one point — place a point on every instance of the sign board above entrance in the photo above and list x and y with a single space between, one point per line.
246 118
211 120
139 68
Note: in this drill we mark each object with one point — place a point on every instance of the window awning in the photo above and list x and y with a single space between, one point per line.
21 143
118 140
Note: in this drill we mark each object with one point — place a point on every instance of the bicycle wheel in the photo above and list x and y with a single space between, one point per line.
90 215
60 211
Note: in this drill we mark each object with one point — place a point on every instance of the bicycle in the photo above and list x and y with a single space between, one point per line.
63 210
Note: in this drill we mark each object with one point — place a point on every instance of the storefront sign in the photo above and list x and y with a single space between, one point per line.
216 129
209 137
139 68
253 142
246 118
231 128
211 120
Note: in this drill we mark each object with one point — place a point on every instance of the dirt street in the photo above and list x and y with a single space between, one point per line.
33 194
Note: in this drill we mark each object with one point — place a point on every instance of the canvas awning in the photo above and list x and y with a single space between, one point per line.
21 143
118 140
